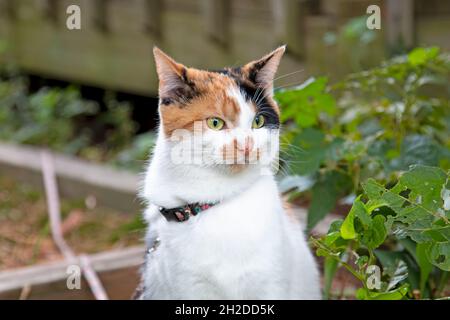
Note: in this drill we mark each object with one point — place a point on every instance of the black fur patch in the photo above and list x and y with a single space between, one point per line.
166 101
263 105
184 93
257 66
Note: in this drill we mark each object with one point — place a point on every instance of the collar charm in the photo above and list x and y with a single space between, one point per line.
183 213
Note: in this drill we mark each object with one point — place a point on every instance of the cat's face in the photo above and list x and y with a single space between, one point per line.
228 116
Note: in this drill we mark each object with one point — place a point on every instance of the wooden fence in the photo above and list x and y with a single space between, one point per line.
113 48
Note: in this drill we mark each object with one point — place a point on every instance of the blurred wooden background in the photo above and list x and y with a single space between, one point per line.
113 50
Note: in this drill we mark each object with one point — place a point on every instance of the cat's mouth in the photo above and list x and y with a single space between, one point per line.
236 168
241 157
239 160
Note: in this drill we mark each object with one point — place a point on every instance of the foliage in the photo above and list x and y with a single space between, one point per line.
60 119
405 228
134 156
354 44
383 134
44 117
374 124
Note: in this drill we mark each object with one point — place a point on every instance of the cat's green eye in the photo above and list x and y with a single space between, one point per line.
258 122
215 123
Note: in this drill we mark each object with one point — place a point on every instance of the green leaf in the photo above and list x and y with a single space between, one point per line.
426 182
330 268
397 294
376 234
439 255
424 264
420 56
305 103
325 193
373 189
348 227
361 261
418 150
362 294
307 153
416 200
410 246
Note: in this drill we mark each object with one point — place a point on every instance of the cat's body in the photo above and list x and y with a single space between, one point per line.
245 246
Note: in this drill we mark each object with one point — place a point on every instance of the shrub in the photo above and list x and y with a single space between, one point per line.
381 134
374 124
404 228
60 119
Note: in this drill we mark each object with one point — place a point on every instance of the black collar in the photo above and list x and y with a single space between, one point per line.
183 213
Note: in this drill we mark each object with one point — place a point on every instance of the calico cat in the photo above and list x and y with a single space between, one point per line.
216 220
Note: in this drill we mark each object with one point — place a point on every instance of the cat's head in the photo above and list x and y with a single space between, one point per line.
231 112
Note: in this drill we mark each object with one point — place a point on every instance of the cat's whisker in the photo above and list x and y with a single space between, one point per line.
293 151
264 112
288 74
291 147
280 167
261 97
261 89
290 161
289 85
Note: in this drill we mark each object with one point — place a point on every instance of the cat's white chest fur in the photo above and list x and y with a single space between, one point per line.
246 247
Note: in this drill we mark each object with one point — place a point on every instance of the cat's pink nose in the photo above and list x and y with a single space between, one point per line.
247 146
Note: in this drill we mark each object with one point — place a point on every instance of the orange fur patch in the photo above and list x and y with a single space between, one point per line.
213 101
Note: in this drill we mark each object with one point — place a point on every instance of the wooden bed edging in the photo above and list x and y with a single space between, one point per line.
76 178
117 269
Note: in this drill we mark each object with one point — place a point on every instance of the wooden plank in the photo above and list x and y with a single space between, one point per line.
184 6
154 18
5 31
217 21
122 58
319 59
10 10
117 269
295 32
251 10
400 28
118 61
51 11
344 9
76 178
430 31
432 8
102 8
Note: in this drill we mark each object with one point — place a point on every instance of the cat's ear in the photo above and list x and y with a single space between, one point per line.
171 74
262 71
